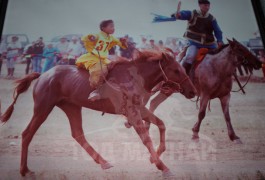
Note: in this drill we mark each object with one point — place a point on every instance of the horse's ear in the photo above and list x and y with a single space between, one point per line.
229 41
235 40
232 44
164 56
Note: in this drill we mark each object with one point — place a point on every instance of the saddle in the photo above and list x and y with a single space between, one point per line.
202 52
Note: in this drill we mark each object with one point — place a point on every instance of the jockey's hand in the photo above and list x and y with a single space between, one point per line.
92 38
220 44
123 40
178 9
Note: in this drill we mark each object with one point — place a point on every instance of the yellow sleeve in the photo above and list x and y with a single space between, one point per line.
116 41
90 41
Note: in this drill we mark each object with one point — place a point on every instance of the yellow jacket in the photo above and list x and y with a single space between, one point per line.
101 43
97 44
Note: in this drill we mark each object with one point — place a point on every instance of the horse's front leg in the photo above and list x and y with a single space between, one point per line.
161 97
135 119
196 128
151 118
225 107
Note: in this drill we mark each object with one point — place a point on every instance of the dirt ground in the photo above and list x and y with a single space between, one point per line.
53 153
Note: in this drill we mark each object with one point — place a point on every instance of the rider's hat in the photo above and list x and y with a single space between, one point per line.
204 2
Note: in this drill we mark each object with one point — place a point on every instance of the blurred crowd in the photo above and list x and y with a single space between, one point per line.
40 56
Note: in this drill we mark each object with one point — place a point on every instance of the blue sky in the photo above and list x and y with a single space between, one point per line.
49 18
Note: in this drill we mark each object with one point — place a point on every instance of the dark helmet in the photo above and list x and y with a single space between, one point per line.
204 2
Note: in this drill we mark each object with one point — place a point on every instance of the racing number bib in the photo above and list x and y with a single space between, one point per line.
102 47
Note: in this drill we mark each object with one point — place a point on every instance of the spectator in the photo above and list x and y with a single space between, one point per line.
153 45
112 51
3 49
28 54
174 46
112 54
62 46
262 59
50 53
128 52
74 50
144 45
13 51
181 45
37 51
161 45
129 39
83 49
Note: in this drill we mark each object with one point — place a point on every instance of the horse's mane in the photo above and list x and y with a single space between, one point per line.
148 55
139 56
218 50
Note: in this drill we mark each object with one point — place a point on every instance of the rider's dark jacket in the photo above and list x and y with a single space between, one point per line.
201 30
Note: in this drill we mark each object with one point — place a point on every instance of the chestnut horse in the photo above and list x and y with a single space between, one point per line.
213 79
128 85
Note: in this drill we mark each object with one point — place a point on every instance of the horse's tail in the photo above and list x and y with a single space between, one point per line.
23 85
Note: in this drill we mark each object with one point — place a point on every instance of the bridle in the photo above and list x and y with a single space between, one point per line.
244 61
168 81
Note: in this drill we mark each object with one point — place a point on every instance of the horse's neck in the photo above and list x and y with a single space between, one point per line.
225 62
151 74
147 74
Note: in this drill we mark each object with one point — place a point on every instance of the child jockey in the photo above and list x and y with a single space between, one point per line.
96 60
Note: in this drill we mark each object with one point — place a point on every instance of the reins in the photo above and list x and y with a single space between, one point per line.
102 73
241 88
167 80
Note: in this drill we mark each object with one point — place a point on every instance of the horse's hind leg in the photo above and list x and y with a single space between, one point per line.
40 114
225 106
203 105
74 115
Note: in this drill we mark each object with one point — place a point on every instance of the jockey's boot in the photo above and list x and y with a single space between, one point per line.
94 95
187 67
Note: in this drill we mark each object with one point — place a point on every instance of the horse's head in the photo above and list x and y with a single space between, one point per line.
244 56
174 73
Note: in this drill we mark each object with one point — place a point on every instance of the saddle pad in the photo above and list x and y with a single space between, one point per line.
201 54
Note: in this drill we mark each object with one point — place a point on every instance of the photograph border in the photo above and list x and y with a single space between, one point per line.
260 17
3 8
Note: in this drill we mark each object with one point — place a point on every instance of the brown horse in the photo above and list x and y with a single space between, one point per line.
128 85
213 79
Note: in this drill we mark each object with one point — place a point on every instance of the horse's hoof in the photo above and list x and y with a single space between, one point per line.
195 138
238 141
151 160
127 125
167 174
27 172
107 165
